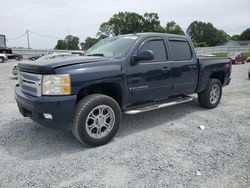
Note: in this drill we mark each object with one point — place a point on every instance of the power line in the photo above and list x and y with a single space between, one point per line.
33 32
14 38
43 35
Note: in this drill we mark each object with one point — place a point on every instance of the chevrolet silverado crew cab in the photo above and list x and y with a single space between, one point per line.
129 73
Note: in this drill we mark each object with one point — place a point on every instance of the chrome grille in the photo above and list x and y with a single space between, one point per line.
30 83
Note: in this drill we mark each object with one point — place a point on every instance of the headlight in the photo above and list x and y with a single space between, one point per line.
58 84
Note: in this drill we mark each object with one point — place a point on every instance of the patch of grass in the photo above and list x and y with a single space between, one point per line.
247 54
221 54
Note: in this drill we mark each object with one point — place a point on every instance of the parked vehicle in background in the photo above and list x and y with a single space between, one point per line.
248 60
5 50
128 73
8 52
35 57
15 56
54 56
3 58
238 57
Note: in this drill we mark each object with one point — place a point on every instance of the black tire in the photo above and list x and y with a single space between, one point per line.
205 96
33 59
249 76
84 108
19 58
15 70
2 60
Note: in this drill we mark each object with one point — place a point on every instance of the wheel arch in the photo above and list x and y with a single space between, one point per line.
111 89
220 75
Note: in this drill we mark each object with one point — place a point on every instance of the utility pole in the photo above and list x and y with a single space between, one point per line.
28 38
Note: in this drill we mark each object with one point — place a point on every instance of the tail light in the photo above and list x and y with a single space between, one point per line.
228 65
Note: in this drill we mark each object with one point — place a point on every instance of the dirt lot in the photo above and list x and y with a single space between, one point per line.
162 148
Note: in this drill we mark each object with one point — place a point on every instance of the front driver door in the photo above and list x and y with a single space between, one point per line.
150 80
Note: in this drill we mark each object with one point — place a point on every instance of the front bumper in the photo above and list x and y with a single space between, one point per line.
61 108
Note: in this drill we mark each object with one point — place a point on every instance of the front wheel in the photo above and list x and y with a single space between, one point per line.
210 97
15 70
1 59
97 120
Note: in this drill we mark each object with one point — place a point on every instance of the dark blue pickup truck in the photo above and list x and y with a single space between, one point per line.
129 73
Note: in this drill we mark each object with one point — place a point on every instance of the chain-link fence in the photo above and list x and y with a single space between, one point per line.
30 52
218 49
200 51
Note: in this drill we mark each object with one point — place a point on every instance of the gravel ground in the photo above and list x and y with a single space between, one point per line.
162 148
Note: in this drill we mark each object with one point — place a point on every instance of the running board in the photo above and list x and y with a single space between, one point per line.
159 105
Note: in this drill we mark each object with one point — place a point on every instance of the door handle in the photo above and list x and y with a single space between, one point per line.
165 69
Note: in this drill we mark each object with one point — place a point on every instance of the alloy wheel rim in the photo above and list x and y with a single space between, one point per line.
215 93
100 121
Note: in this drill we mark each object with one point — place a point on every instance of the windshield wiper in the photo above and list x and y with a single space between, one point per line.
95 54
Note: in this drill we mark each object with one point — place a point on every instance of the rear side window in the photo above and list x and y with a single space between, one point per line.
158 48
181 50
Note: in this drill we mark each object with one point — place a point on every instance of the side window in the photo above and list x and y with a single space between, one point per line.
181 50
158 48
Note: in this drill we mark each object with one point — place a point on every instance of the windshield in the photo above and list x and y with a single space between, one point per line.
113 47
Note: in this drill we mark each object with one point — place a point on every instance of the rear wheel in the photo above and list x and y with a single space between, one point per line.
19 58
97 120
210 97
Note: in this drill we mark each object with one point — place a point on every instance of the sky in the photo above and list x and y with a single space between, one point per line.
82 18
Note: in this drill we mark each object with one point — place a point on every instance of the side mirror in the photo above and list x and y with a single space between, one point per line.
144 55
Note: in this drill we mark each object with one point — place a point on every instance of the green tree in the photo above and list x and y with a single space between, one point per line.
173 28
88 43
151 23
235 37
105 30
206 32
69 43
130 22
61 45
72 42
245 35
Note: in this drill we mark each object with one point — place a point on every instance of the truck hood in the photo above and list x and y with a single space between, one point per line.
48 66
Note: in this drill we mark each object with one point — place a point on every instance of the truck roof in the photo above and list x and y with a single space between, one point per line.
157 34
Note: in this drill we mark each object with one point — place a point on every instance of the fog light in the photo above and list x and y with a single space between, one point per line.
47 116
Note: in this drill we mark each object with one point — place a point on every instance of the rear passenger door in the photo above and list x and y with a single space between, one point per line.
184 67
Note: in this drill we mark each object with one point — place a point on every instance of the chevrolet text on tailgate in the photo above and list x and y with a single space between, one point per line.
129 73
